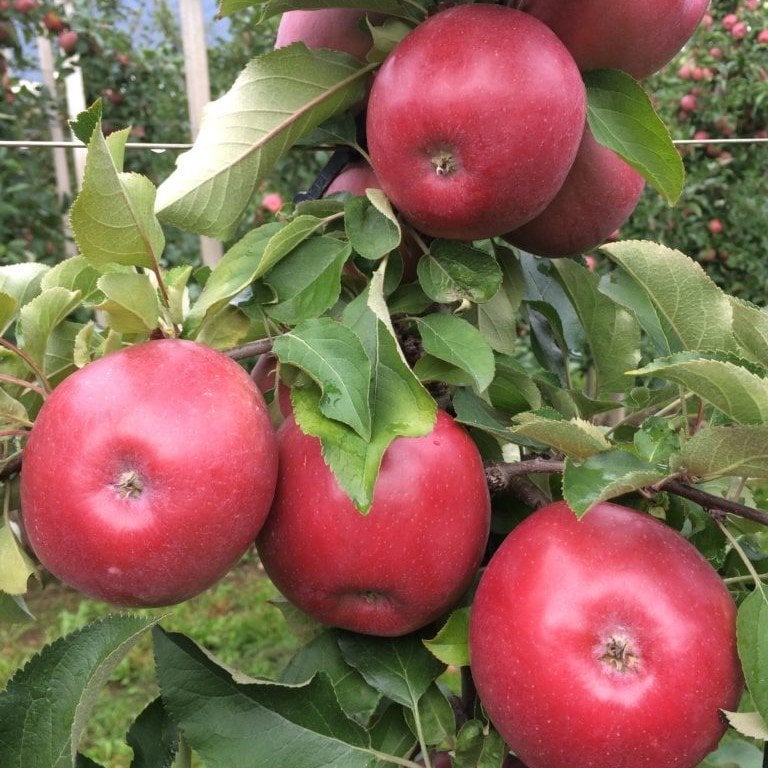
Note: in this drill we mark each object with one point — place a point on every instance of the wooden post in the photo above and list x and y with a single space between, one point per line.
60 165
198 90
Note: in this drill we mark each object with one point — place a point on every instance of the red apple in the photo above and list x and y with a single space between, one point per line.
638 37
25 6
53 22
340 29
68 40
474 120
607 641
400 566
148 473
715 226
597 197
354 178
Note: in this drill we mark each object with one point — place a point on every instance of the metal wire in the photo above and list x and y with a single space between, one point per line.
160 146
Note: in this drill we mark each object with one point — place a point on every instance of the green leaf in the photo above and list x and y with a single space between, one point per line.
734 752
436 717
752 638
612 333
113 216
450 644
333 356
455 271
268 8
307 282
621 117
279 97
243 263
749 724
473 411
400 405
497 317
731 388
606 476
74 274
13 609
401 668
692 311
39 318
226 329
282 242
454 340
478 746
15 565
386 36
11 410
732 451
153 737
22 282
371 232
513 389
391 735
130 302
224 720
576 438
750 327
44 709
87 121
322 654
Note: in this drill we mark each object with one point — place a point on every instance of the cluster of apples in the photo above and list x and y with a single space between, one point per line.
151 471
607 641
476 120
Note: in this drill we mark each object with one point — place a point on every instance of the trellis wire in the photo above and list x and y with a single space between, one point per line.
159 146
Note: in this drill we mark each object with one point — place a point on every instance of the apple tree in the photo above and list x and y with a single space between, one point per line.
480 458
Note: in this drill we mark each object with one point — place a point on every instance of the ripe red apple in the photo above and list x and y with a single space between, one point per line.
68 40
25 6
607 641
354 178
474 120
148 473
597 197
340 29
715 226
53 22
638 37
404 563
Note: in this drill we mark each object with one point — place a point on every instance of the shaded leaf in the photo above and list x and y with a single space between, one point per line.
577 438
738 451
752 640
130 302
401 668
219 716
153 737
497 317
40 317
371 233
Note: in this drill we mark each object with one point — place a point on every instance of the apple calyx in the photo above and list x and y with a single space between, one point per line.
618 652
129 484
444 162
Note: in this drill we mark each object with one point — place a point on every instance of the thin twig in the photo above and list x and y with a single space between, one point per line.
251 349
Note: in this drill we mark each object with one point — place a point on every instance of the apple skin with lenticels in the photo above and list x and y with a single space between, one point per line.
474 120
148 473
401 565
